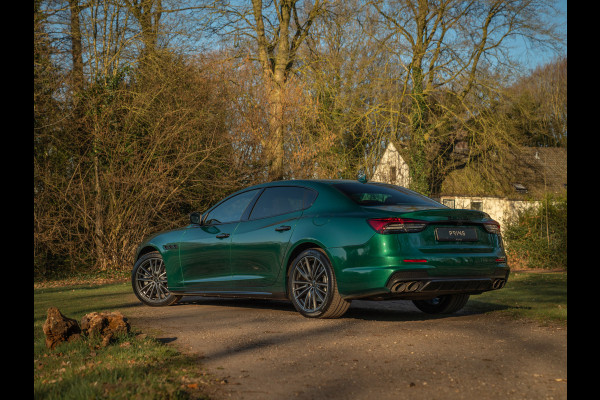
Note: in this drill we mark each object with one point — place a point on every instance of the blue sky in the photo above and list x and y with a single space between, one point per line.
532 57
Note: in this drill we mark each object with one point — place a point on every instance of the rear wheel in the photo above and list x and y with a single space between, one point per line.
312 286
446 304
149 281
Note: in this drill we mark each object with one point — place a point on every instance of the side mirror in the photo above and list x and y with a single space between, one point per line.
196 218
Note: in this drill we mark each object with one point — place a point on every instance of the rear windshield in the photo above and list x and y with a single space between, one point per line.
381 194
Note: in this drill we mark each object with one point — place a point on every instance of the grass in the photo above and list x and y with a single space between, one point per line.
135 366
139 366
537 296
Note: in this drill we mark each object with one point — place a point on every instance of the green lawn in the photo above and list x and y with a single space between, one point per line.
538 296
138 366
135 367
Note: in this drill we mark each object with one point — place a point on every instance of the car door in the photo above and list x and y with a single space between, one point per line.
205 249
260 243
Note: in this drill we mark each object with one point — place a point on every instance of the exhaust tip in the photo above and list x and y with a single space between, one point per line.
399 287
412 286
498 284
407 287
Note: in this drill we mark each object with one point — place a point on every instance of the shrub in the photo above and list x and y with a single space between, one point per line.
537 238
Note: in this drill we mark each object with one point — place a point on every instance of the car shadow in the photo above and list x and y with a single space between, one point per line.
391 310
166 340
281 305
405 310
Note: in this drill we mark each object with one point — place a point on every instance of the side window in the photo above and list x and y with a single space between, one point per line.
282 200
448 203
231 210
476 205
309 198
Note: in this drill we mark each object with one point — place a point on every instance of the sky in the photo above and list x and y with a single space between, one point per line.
533 58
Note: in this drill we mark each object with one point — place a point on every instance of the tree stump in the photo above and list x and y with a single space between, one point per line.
105 325
59 328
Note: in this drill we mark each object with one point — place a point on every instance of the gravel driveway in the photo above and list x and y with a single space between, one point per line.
377 350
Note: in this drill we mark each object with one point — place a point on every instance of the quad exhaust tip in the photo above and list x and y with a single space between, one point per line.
406 287
414 286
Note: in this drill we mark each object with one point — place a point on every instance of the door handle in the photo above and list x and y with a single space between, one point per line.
283 228
222 235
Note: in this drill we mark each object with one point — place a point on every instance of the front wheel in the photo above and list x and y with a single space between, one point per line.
312 286
447 304
149 281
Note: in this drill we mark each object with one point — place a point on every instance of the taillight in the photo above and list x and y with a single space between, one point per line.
396 225
492 227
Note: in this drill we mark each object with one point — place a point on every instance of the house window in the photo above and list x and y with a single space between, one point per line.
520 188
476 205
448 203
393 174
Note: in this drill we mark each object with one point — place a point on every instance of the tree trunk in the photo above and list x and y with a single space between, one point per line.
148 14
76 49
276 59
276 125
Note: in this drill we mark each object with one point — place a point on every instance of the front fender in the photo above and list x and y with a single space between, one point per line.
167 244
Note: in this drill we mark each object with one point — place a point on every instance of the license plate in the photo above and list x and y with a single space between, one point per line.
456 234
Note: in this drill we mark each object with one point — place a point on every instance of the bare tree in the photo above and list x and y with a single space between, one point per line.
453 47
537 105
346 72
76 49
276 30
140 148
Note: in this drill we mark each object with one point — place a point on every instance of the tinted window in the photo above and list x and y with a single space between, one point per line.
371 194
282 200
231 210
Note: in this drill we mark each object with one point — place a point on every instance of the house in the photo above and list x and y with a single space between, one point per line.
537 171
392 168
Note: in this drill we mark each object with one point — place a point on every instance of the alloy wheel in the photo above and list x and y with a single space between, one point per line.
151 280
310 284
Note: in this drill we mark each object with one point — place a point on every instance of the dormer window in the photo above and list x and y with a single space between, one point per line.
520 188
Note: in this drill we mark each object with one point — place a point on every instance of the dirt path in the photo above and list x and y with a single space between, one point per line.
378 350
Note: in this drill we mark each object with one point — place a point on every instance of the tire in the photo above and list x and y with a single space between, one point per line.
149 281
446 304
312 287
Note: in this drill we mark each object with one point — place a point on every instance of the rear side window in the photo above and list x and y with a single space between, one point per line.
379 194
282 200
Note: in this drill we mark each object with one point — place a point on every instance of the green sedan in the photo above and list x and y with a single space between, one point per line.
323 243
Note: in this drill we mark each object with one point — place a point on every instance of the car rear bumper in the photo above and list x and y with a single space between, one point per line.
419 284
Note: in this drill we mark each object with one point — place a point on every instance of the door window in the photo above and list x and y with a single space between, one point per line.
231 210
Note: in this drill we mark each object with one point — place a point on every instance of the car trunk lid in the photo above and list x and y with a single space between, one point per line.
453 241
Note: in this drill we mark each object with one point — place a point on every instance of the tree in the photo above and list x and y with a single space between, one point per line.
128 150
449 49
537 105
276 29
346 76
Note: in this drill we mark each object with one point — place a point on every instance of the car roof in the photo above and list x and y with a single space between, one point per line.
303 182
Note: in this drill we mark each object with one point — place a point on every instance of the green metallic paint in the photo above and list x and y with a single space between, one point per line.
258 249
255 257
205 258
170 257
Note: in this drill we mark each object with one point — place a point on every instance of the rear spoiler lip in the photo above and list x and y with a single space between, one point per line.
455 222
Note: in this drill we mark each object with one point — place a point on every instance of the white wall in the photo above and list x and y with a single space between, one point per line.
499 209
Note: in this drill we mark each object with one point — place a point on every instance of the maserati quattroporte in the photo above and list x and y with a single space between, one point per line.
323 243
